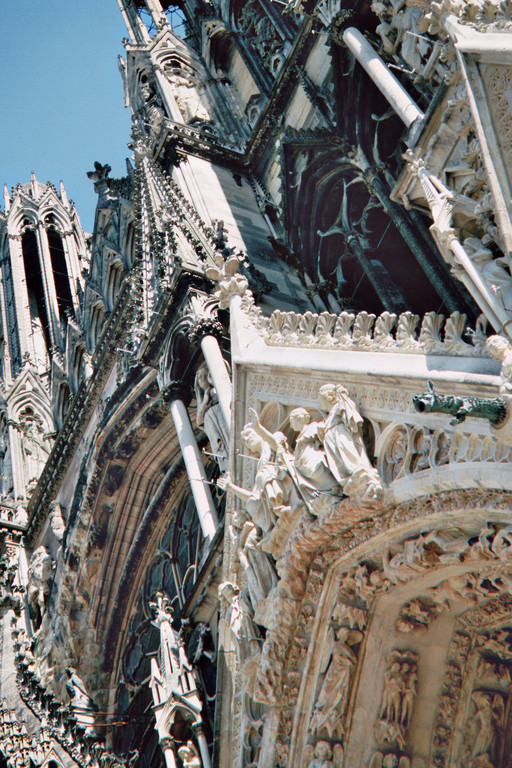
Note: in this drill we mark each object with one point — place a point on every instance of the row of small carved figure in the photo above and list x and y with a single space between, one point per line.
366 331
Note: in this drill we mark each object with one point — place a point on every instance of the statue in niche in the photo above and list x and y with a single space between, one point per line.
57 524
6 482
484 729
322 755
332 700
34 451
189 756
40 569
153 107
187 97
344 447
209 416
77 692
400 688
259 569
239 618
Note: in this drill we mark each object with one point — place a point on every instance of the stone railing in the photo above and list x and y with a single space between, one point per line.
385 333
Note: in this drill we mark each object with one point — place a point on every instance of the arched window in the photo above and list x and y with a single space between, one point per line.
60 273
78 367
35 288
129 253
115 279
62 403
173 571
96 323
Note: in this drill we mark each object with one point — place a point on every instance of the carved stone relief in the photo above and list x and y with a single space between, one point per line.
359 588
262 35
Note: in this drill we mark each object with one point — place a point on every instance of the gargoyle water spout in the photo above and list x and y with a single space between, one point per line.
495 410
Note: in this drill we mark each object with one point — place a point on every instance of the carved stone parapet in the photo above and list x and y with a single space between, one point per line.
386 333
176 390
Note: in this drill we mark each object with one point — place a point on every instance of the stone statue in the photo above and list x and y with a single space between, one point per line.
76 690
153 106
259 569
230 282
309 456
500 349
492 270
6 482
332 700
267 497
40 570
209 416
239 618
486 721
189 756
322 755
344 447
188 100
57 523
400 688
338 755
34 451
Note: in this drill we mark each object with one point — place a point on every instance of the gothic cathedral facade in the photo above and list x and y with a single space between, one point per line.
255 430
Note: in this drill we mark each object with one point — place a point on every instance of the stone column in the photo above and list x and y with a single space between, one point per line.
406 109
50 297
198 731
174 397
167 745
20 313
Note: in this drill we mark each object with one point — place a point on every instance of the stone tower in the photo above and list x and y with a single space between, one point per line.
42 247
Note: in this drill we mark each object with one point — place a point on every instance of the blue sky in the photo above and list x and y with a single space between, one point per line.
61 94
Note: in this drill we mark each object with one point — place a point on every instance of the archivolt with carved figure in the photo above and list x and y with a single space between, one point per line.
400 615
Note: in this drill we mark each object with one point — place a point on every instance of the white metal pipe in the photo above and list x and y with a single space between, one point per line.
220 376
405 107
195 470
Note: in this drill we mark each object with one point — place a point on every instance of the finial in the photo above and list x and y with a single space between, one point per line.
7 199
63 195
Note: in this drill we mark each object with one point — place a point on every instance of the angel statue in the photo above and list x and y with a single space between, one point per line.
209 416
344 448
271 504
